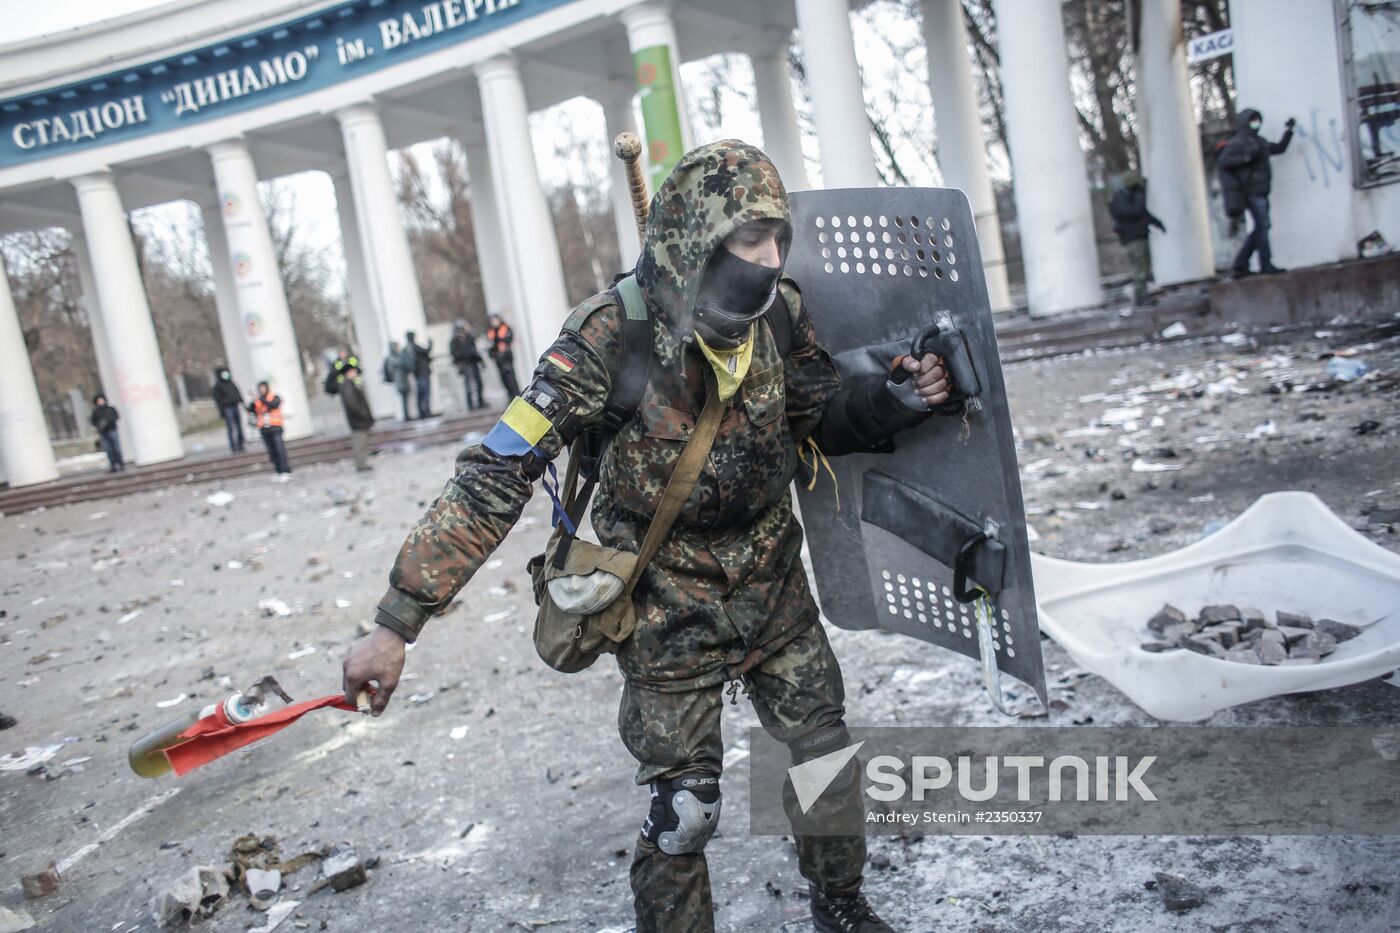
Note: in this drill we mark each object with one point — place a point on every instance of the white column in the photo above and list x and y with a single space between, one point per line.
838 101
26 456
141 392
619 117
782 140
526 219
267 322
393 282
962 155
1170 143
1052 186
649 25
371 333
231 329
102 349
492 250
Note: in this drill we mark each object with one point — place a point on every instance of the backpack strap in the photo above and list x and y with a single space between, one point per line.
625 397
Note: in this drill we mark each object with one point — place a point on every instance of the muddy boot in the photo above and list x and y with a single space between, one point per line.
845 913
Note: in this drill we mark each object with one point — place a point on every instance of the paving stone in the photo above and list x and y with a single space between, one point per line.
1168 615
1338 630
1313 646
1178 893
1292 620
1213 614
1242 654
1203 645
1270 651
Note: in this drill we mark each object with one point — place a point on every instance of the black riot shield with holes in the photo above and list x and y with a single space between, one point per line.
928 541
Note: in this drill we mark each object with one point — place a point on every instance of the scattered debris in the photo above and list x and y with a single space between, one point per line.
167 704
275 915
41 883
31 756
219 499
1344 369
342 869
14 921
1146 466
273 608
301 653
196 895
1174 331
458 733
1178 893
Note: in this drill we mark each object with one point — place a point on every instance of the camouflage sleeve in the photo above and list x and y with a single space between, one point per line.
494 479
810 379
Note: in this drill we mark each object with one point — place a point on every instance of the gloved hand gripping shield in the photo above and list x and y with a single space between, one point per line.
928 541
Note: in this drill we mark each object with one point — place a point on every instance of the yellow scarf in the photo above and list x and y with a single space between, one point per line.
730 366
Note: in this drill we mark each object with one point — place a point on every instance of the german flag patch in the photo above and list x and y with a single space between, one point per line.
561 360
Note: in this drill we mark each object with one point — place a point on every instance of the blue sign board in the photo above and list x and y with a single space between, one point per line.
284 61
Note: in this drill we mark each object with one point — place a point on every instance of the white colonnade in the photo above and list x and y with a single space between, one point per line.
106 369
1048 169
528 225
261 300
141 392
231 328
782 139
1170 146
962 156
393 282
838 102
371 338
25 454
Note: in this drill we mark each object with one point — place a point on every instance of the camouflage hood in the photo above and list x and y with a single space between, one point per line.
711 192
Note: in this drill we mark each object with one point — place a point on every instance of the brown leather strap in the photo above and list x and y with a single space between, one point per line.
683 478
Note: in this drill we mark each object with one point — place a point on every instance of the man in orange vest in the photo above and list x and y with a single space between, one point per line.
502 337
268 410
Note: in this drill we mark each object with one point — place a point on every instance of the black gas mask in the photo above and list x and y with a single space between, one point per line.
733 294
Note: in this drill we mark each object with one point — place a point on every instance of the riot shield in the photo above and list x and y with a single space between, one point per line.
929 541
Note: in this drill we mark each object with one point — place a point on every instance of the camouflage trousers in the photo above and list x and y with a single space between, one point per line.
795 692
1140 258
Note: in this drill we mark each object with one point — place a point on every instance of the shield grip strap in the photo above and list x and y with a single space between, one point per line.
944 534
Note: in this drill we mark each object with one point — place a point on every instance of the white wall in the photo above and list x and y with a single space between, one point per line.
1288 63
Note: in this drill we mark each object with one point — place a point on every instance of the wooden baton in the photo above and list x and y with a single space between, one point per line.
628 148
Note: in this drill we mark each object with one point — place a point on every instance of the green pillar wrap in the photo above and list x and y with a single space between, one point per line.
660 115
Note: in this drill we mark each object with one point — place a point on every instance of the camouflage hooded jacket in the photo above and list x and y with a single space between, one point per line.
727 587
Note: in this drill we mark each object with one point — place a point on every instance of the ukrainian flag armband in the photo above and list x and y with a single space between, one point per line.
519 430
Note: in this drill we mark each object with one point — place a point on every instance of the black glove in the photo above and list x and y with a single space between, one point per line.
1290 123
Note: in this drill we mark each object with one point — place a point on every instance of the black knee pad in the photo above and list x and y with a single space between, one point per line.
684 813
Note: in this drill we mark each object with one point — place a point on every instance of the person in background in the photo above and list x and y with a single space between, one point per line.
229 400
335 374
502 340
351 390
267 408
1246 178
104 418
397 373
467 358
1131 218
420 360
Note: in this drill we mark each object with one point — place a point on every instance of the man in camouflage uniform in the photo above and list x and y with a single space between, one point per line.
725 600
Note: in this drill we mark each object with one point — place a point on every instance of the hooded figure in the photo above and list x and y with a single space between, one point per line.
1131 220
229 401
1246 178
725 599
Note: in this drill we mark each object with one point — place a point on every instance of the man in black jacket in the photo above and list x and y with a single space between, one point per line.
467 359
351 389
422 358
1131 218
229 400
1247 178
104 418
